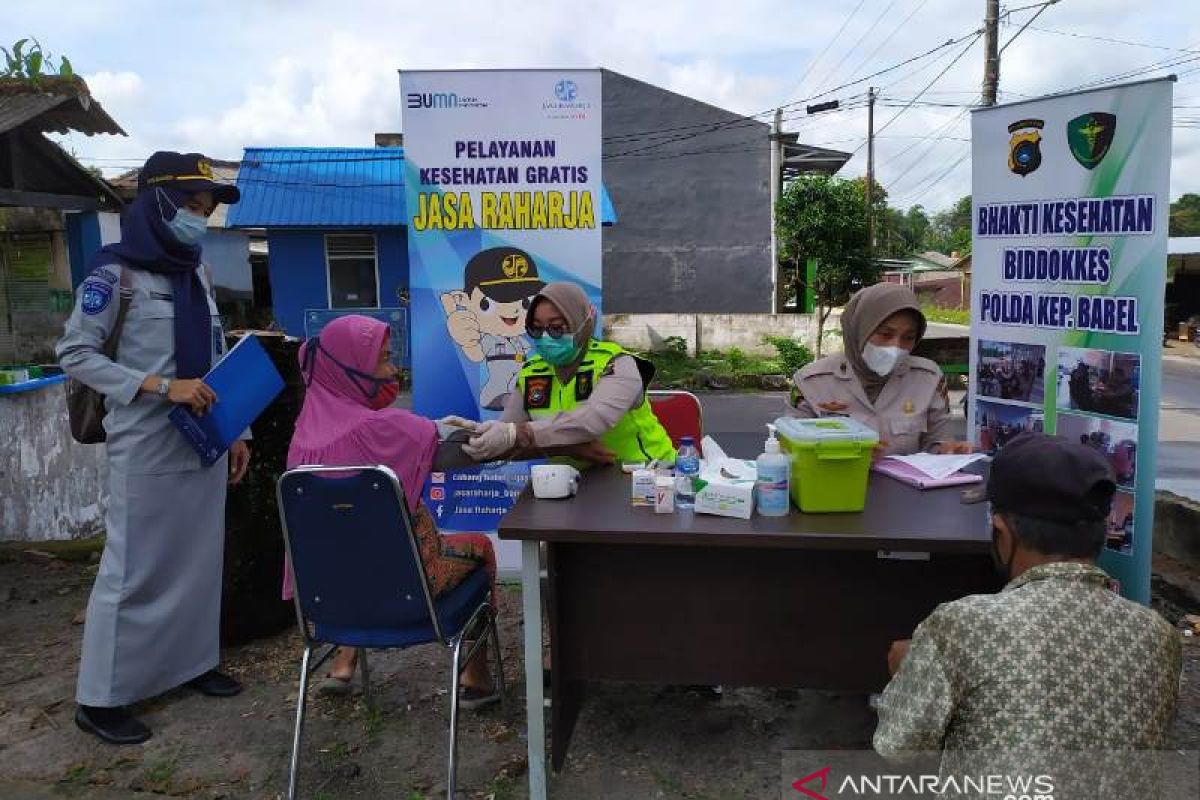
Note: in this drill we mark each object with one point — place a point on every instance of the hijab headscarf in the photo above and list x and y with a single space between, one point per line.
148 244
865 312
337 425
572 302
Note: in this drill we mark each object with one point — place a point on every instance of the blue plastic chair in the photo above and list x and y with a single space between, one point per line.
360 582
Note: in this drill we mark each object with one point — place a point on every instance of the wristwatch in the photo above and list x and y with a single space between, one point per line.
164 387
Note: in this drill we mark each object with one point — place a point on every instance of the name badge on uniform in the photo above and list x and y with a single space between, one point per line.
537 393
583 385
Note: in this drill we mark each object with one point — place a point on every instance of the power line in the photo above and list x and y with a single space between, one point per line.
1077 35
854 46
889 37
824 50
928 86
848 84
931 139
1028 22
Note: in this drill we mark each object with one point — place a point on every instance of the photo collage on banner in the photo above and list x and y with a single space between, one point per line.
502 184
1069 206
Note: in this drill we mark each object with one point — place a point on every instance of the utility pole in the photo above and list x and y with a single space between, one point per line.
870 166
776 179
991 52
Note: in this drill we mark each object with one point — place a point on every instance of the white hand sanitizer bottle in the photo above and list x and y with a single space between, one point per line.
771 486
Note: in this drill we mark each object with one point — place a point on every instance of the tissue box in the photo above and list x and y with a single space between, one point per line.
726 498
726 485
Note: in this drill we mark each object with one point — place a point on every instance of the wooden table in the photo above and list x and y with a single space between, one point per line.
807 600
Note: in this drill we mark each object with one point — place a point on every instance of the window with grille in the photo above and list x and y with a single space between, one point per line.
353 270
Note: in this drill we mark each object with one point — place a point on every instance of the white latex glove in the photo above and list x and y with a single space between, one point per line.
492 439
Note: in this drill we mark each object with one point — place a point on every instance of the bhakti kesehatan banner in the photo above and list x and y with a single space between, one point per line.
1070 204
502 174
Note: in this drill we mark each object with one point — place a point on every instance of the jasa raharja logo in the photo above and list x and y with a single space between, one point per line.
441 100
566 91
566 97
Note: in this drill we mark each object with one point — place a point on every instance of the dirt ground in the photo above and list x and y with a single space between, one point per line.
630 743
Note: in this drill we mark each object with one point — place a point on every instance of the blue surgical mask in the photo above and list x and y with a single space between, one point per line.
557 352
186 227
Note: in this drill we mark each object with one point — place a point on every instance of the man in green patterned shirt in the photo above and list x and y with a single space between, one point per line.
1056 660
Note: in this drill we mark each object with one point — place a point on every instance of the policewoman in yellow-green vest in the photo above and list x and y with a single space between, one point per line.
577 396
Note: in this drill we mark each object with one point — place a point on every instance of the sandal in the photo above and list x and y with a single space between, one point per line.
334 686
473 699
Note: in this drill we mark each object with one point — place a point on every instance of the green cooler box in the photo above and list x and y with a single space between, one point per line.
831 461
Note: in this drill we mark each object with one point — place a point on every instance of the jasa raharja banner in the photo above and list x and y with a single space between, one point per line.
502 172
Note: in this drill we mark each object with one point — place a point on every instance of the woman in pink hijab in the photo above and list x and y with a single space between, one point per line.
346 419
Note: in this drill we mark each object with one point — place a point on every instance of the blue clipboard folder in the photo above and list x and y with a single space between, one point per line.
245 382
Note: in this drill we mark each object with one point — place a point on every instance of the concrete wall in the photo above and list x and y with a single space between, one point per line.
298 273
694 218
53 487
718 331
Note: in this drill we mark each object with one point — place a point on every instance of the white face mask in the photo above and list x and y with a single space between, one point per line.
881 360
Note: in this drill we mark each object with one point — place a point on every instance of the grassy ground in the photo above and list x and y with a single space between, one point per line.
950 316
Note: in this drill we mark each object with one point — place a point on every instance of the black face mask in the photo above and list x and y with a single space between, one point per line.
1003 567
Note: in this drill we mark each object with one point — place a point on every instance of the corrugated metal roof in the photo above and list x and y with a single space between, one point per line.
53 112
308 187
328 187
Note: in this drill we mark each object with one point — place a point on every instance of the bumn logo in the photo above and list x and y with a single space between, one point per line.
431 100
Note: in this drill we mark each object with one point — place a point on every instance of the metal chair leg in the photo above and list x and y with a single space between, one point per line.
455 666
296 737
366 678
495 635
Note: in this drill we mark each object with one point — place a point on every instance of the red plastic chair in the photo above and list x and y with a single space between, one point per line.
680 413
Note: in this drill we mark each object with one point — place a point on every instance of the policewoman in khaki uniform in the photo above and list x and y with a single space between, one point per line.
877 380
578 396
153 618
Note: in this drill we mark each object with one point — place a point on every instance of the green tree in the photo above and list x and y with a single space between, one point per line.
950 230
1185 216
824 218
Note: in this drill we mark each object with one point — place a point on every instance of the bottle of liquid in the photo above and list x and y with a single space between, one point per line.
687 470
771 486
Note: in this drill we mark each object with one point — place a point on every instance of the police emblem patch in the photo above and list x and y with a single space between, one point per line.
104 274
1090 136
537 393
96 297
1025 146
583 385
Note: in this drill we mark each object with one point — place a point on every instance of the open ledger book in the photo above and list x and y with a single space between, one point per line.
930 471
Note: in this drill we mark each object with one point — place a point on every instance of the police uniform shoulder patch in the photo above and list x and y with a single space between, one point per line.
583 385
105 274
96 295
537 392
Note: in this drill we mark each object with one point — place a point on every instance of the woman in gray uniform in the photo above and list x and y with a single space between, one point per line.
154 613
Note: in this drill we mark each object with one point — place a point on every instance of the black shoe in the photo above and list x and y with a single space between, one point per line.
113 725
215 684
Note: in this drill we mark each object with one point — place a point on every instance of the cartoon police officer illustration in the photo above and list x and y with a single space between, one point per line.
487 318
